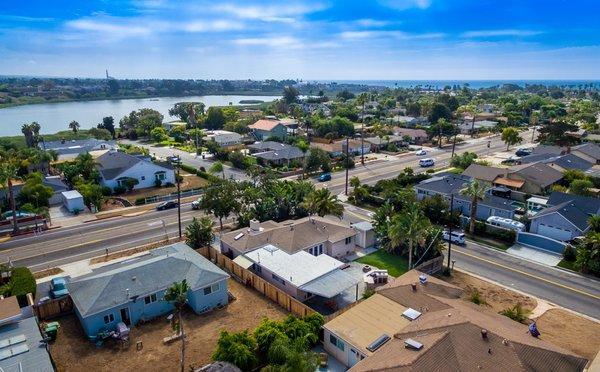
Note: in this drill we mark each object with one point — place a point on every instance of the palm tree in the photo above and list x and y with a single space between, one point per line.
177 295
74 126
410 226
9 172
199 233
475 191
321 202
86 164
217 167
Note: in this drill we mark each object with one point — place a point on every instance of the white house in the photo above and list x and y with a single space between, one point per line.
73 201
224 138
117 167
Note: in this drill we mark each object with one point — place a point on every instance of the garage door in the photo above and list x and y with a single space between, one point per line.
554 232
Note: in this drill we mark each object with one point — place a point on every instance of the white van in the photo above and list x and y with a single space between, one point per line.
427 162
505 223
456 237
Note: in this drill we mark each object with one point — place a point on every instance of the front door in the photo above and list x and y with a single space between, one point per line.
125 316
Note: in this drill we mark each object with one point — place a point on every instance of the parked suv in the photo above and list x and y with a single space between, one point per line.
456 237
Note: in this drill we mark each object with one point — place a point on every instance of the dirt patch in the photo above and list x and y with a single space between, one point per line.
110 204
129 252
497 298
570 331
47 272
190 181
73 352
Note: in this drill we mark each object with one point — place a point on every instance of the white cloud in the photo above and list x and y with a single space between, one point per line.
276 41
369 22
503 32
269 13
17 18
406 4
375 34
115 29
212 26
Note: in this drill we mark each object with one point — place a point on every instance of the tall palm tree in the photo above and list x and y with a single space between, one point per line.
8 173
177 295
74 126
475 191
322 202
410 226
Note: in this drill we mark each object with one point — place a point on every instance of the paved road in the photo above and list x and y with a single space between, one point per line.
560 287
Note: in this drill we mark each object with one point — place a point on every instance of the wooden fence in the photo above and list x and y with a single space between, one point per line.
432 266
53 308
249 278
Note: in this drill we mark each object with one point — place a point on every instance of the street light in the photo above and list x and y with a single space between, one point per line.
347 160
164 225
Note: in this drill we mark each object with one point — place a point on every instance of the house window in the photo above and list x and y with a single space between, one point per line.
335 341
143 178
278 279
150 299
109 318
320 249
348 240
257 268
160 176
211 289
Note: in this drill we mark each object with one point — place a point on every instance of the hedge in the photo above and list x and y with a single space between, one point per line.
21 283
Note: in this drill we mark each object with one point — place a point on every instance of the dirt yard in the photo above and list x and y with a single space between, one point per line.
73 352
570 331
496 297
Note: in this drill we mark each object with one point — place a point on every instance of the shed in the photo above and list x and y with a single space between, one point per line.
73 201
365 235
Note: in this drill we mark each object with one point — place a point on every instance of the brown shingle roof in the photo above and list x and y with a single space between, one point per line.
290 236
265 124
9 307
483 173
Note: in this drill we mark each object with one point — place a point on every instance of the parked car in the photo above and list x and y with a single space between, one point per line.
58 287
523 152
196 204
427 162
456 237
505 223
325 177
421 152
20 214
167 205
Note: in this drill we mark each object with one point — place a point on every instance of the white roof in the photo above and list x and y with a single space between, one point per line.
298 268
363 226
538 200
73 194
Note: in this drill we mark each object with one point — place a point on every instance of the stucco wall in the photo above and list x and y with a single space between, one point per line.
145 170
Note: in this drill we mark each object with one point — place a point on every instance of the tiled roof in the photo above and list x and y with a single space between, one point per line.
589 149
483 173
265 124
540 174
446 184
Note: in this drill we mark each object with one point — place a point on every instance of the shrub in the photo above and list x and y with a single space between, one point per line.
118 190
157 183
368 293
570 253
178 178
476 298
188 168
140 201
430 170
516 313
22 282
106 191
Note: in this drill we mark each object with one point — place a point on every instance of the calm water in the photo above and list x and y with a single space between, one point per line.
54 117
474 84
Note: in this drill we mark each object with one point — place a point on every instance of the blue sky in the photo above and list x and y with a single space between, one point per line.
381 39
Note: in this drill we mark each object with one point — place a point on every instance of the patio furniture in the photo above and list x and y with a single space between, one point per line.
323 358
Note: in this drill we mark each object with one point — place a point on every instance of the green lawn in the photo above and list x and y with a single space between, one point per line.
495 243
395 265
567 265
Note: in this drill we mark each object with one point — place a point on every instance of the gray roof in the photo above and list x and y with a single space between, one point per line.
331 284
587 204
56 183
106 287
113 163
447 184
384 140
271 150
590 149
538 173
36 358
76 146
571 161
534 158
547 149
569 211
482 172
489 201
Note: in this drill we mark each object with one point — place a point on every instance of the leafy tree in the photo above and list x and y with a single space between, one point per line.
475 191
220 200
239 160
199 232
86 165
441 128
92 194
322 202
345 95
237 348
594 222
217 167
35 192
439 111
463 160
588 254
336 126
555 133
290 94
581 187
231 114
177 295
74 126
436 209
317 159
31 133
410 227
141 122
215 119
178 133
159 134
108 123
511 136
571 175
413 109
9 173
101 134
182 110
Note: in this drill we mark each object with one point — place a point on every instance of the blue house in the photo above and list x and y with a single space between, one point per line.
267 128
133 290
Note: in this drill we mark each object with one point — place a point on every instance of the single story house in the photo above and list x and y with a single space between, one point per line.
315 235
55 182
266 128
22 347
169 126
224 138
588 151
70 149
134 290
300 274
566 216
467 126
569 161
410 121
549 149
419 323
116 167
338 148
417 136
275 153
451 184
534 178
483 173
365 234
380 143
73 201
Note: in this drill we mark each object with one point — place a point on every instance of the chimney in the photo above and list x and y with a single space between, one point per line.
254 226
413 286
484 334
127 292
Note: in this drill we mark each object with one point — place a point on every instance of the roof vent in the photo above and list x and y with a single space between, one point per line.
409 343
378 342
238 236
411 314
133 278
484 334
422 279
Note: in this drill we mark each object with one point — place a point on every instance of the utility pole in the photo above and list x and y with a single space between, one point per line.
450 229
362 137
347 162
454 145
178 195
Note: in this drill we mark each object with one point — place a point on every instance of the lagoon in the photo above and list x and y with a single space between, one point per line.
54 117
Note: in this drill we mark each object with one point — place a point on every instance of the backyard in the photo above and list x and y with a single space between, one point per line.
394 264
73 352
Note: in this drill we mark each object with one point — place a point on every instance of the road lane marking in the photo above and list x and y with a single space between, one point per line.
528 274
